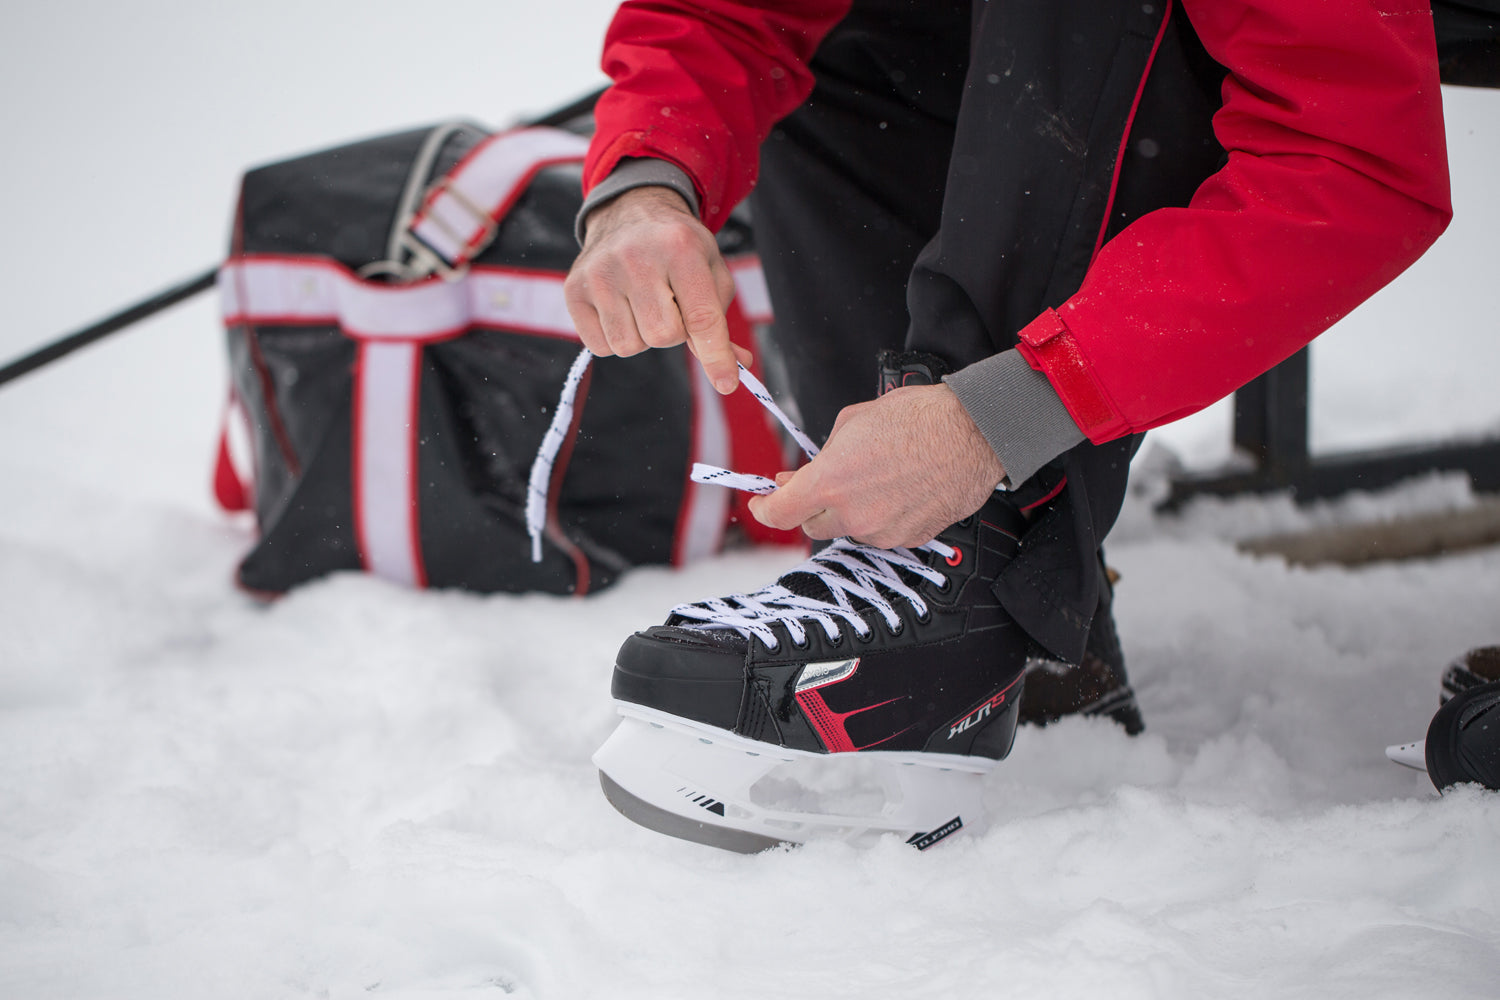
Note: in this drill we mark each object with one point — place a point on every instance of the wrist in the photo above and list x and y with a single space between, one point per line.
1017 411
637 204
975 449
633 175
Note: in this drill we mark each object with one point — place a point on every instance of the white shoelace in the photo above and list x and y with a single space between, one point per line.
540 481
848 569
541 467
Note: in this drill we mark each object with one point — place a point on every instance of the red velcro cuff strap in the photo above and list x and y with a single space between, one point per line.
1048 346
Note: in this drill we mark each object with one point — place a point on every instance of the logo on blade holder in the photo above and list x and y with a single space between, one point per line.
922 841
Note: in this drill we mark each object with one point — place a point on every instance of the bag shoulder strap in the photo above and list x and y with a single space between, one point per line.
461 212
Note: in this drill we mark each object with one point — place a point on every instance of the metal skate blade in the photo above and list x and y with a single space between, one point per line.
1412 755
660 820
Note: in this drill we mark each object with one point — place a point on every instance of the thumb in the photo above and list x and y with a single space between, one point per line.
791 504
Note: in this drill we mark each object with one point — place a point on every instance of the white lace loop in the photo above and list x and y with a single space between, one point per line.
849 570
540 481
541 469
712 475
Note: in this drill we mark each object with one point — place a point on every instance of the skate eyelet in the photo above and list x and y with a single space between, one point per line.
956 558
924 617
895 632
945 586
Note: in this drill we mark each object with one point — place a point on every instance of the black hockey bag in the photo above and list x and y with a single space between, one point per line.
397 342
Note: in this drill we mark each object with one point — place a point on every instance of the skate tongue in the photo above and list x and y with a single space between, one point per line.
808 584
801 583
805 584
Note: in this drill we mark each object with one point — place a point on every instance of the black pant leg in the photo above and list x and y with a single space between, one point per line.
851 189
955 167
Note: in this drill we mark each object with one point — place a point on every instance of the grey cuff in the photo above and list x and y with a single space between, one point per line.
636 172
1017 411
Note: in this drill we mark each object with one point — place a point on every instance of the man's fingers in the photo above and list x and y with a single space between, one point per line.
627 326
650 275
824 524
659 324
617 318
701 302
585 314
586 322
717 355
741 354
792 504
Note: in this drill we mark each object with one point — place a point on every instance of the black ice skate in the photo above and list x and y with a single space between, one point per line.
1463 739
865 692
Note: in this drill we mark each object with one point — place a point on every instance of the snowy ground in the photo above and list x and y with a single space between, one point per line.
364 791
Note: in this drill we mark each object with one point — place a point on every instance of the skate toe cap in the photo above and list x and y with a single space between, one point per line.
682 672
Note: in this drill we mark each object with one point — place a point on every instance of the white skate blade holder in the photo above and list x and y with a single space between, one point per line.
708 785
1412 755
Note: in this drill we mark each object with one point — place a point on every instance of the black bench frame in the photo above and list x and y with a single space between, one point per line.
1270 428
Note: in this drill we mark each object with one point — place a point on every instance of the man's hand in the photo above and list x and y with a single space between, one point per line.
895 472
650 275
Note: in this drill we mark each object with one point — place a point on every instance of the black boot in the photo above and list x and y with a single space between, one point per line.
1096 686
1463 741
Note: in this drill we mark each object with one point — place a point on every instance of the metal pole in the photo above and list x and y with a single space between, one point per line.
131 314
203 282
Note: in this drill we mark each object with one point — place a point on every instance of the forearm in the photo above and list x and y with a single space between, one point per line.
1336 181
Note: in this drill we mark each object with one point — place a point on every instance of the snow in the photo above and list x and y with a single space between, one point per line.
366 791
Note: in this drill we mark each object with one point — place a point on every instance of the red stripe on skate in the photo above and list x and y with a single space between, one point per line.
830 724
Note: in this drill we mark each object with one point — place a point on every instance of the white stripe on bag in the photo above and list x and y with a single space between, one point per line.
387 377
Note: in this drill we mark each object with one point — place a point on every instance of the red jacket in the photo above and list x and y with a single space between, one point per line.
1336 181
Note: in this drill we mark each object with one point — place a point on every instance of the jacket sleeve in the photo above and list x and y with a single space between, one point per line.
700 85
1336 181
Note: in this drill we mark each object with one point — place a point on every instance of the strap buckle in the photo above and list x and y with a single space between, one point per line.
427 259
